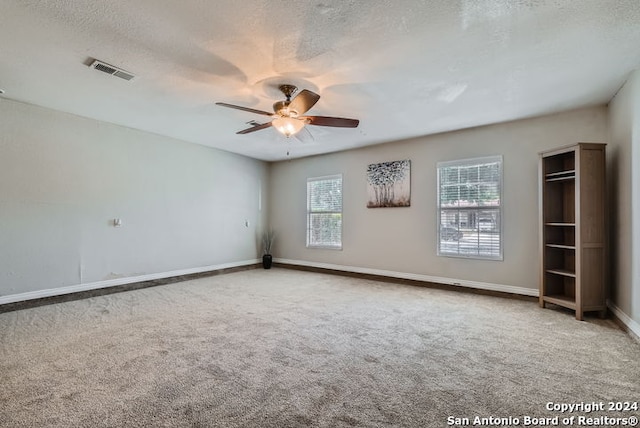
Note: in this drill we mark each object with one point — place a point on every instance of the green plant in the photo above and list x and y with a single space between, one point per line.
267 241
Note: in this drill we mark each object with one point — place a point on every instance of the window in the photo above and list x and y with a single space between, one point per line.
470 207
324 212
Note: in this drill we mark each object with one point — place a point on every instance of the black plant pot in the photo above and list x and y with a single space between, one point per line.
267 260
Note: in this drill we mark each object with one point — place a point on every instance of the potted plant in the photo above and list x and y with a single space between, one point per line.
267 242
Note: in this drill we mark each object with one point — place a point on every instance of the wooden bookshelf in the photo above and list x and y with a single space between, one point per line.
572 228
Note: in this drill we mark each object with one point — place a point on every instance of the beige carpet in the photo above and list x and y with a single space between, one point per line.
283 348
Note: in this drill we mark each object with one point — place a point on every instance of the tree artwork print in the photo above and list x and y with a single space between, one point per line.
389 184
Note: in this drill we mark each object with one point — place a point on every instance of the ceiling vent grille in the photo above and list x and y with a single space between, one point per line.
110 69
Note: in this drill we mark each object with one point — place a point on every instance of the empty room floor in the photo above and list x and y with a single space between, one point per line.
286 348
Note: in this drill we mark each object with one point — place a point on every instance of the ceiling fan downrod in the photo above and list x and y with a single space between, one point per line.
288 90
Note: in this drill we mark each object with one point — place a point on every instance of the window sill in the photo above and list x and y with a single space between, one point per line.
324 247
499 258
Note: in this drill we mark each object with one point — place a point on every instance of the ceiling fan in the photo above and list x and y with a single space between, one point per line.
288 116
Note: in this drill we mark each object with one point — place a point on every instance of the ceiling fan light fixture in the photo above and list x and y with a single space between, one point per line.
288 125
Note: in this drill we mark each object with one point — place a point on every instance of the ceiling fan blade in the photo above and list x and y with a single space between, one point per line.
304 101
255 128
304 136
339 122
250 110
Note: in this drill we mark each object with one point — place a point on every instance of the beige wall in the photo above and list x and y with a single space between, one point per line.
63 179
404 239
620 184
635 308
624 191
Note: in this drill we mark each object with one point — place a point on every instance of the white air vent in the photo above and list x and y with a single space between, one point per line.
110 69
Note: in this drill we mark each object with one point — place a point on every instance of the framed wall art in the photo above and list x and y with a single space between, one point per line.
389 184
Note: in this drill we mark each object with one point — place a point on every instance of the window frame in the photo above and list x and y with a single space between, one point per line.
310 213
500 207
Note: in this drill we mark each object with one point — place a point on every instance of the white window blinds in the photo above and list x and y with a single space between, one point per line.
324 212
470 208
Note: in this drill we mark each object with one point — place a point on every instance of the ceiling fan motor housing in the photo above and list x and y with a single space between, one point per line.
282 109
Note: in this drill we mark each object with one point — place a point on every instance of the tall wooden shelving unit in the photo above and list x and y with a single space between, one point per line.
572 228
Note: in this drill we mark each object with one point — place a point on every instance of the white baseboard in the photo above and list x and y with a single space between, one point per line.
415 276
30 295
631 324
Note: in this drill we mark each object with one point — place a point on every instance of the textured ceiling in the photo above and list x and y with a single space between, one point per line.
404 68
